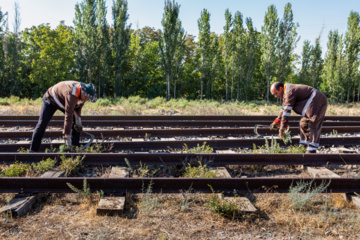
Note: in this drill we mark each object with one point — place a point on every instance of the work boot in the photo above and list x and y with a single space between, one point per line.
310 151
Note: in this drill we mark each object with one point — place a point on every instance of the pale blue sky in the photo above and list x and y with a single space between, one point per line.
311 15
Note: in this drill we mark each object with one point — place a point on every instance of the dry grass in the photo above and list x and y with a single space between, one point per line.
158 106
66 217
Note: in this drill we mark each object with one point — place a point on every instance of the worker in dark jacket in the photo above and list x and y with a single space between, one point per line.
307 101
68 97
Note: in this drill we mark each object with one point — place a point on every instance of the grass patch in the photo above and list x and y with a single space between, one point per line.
19 169
200 171
70 165
302 194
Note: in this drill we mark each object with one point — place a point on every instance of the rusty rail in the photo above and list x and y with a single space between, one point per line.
179 144
198 132
120 186
212 159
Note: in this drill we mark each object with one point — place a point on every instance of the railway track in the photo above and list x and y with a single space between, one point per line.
211 159
166 133
232 126
177 117
221 144
168 123
121 186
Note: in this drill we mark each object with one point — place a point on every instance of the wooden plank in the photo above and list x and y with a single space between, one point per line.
243 204
20 205
113 205
23 142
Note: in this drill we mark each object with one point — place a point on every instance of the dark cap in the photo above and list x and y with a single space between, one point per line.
89 91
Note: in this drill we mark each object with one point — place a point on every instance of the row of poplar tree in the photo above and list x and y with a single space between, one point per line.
239 64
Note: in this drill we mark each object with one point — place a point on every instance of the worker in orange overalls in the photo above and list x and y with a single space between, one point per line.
307 101
68 97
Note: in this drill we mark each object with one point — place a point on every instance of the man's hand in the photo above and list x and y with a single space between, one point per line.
78 126
275 125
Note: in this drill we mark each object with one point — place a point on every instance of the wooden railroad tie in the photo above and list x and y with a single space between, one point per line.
243 203
113 205
20 204
322 172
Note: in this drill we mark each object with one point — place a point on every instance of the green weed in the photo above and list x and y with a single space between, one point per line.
303 193
199 149
188 199
223 207
22 169
85 193
70 165
201 171
149 202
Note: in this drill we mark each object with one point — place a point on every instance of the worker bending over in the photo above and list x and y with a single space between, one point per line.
307 101
68 97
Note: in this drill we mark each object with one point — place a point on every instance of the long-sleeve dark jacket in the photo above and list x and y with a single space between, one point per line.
303 100
65 96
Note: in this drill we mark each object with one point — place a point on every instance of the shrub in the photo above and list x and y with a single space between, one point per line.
303 193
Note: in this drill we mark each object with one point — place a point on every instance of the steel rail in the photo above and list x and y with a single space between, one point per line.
120 186
211 159
179 144
199 132
167 123
177 117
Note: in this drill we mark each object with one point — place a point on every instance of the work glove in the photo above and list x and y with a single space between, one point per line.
78 126
275 125
282 131
68 141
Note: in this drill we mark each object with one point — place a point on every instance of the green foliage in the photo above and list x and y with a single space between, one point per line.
16 170
199 149
103 102
20 169
223 207
4 102
274 147
201 171
302 194
70 165
287 136
43 166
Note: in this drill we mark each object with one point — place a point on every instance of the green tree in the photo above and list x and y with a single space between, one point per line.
86 39
286 44
51 55
352 49
104 57
316 64
305 63
120 42
330 83
239 57
227 47
252 45
204 50
170 40
269 40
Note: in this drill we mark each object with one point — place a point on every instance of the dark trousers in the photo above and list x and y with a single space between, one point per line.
46 113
